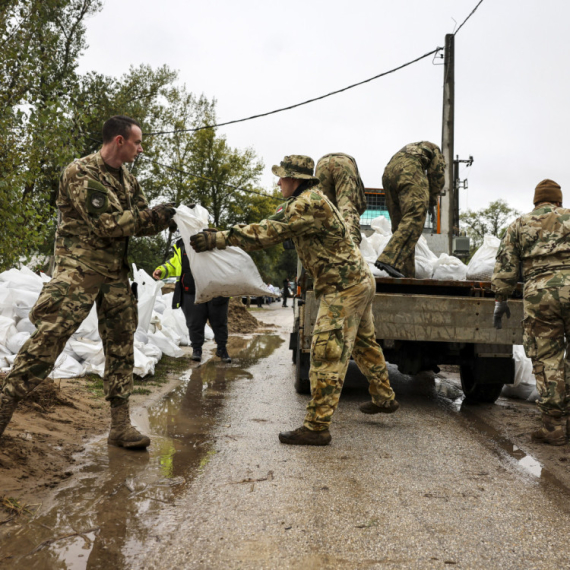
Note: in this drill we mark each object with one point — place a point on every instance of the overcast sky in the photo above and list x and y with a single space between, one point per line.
512 89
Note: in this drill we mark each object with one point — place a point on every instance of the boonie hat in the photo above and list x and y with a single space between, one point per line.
296 166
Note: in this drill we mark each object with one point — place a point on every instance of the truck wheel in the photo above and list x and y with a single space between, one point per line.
474 391
302 365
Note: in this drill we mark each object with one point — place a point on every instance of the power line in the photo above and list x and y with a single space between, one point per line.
210 179
472 12
299 104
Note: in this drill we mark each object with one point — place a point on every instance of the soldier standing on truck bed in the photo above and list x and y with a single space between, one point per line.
101 205
342 281
412 181
340 182
540 241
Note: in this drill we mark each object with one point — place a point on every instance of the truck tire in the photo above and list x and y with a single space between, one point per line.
302 365
477 392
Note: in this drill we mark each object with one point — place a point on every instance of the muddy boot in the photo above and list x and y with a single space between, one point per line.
197 354
305 436
371 408
553 431
7 407
222 353
122 433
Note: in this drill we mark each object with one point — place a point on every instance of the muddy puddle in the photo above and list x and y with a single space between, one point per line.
112 507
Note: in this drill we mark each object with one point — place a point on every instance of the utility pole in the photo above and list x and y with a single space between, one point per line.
448 198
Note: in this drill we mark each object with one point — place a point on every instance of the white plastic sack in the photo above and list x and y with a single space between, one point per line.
524 387
159 304
449 268
15 342
89 328
481 266
208 332
88 350
165 344
377 272
25 325
226 272
367 250
7 329
22 280
144 365
425 259
6 303
381 225
174 319
67 367
148 289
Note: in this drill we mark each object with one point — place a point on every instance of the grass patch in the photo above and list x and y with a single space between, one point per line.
14 507
142 391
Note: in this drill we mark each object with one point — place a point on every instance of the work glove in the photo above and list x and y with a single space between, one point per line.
204 241
164 212
501 308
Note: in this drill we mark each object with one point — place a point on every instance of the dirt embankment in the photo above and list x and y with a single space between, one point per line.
51 425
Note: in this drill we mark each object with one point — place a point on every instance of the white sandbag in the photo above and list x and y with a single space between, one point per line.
7 329
22 280
15 342
67 367
449 268
208 332
25 325
381 225
159 305
165 344
3 363
150 350
91 368
174 319
482 263
524 386
367 250
4 351
425 259
226 272
141 336
148 289
6 302
144 365
89 328
171 335
88 350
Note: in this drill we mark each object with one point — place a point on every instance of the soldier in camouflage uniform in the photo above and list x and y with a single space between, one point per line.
340 182
342 281
539 244
101 204
412 181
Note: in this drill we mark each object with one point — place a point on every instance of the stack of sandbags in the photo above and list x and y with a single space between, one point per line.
482 263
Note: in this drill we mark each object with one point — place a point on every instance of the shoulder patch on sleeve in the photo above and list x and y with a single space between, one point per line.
97 197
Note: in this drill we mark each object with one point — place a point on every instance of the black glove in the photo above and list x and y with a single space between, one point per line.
501 308
204 241
165 211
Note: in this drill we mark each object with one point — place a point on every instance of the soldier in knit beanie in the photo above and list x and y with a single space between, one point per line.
547 191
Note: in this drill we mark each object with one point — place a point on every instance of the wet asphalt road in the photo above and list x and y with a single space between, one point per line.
432 486
423 488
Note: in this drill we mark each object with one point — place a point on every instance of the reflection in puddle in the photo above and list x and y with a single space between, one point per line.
107 512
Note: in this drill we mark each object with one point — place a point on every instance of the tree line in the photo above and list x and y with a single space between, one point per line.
51 114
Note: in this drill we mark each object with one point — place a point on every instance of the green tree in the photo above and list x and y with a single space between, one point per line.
493 220
41 41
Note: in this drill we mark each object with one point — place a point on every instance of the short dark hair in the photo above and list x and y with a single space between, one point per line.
118 125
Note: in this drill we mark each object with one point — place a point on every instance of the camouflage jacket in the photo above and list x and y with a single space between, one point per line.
342 185
321 238
428 157
540 243
98 214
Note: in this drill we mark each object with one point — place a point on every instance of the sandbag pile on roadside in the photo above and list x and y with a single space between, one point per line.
161 329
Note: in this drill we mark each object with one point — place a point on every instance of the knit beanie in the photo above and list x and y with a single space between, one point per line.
547 191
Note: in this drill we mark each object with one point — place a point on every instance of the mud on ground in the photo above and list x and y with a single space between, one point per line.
50 426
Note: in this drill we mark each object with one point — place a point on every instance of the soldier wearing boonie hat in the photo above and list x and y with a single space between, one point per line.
342 281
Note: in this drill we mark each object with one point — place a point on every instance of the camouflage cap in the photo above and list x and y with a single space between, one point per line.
547 191
296 166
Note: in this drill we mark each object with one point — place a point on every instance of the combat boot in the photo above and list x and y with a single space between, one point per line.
222 353
197 354
305 436
553 431
122 433
7 407
371 408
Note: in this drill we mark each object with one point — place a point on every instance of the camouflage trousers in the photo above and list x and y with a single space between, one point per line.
407 198
63 304
344 326
546 334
